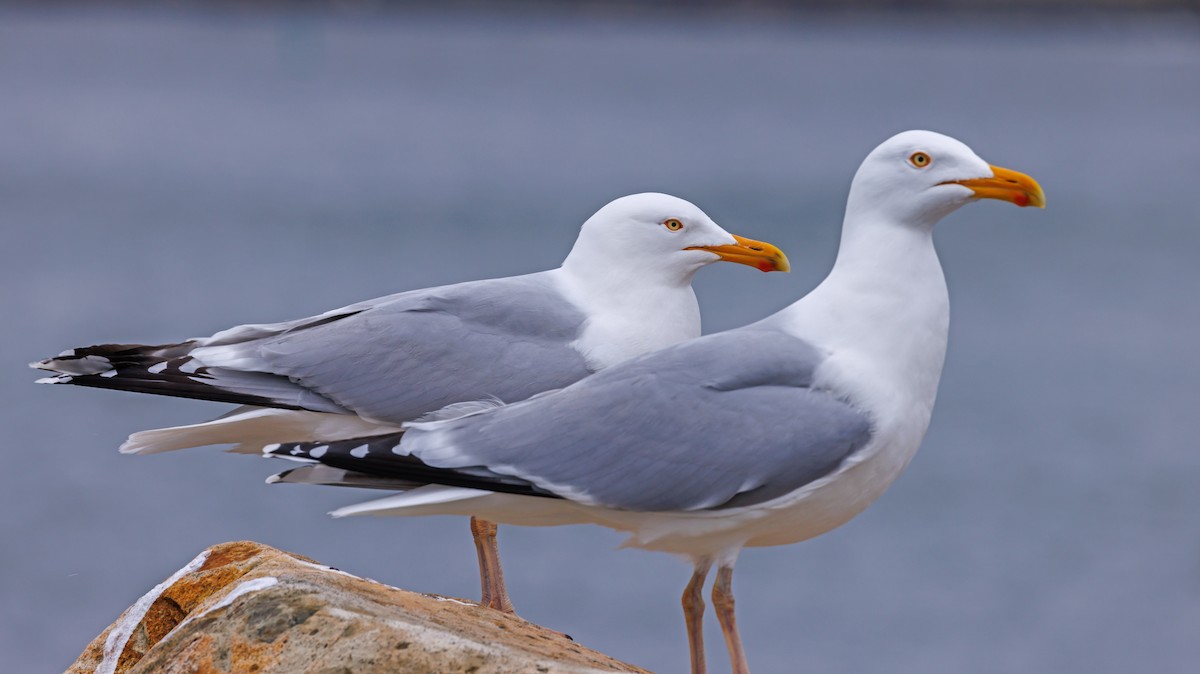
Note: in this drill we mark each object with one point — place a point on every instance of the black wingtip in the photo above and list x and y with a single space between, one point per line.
373 455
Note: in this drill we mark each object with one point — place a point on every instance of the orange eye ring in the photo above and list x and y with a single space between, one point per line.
920 160
673 224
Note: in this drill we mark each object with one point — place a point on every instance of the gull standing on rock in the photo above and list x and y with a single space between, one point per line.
765 435
624 290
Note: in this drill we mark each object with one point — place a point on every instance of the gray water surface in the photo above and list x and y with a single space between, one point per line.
165 175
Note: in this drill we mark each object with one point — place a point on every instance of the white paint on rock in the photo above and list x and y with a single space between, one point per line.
452 600
119 636
246 587
322 567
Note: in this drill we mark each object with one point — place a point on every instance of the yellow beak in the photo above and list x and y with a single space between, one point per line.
1006 185
758 254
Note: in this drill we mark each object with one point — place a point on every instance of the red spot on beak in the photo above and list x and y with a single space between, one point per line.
1021 200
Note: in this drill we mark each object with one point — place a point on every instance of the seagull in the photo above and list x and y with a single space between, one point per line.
765 435
365 369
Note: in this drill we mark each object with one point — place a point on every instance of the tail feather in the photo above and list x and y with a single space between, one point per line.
427 500
336 477
252 428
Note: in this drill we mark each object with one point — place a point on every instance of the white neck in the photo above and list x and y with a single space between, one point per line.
882 315
632 309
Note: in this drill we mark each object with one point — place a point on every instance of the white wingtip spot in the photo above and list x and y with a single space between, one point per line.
318 451
157 367
110 373
267 449
277 477
59 379
360 452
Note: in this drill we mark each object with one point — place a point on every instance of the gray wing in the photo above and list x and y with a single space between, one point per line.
726 420
506 338
391 359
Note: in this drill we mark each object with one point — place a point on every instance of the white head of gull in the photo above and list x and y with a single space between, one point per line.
365 369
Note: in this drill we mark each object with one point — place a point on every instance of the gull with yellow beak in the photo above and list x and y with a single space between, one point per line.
765 435
365 369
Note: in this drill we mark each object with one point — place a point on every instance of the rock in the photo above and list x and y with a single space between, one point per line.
245 607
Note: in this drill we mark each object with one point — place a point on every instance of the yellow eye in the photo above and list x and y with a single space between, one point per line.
673 224
919 159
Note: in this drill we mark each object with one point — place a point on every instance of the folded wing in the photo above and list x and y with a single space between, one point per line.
391 359
727 420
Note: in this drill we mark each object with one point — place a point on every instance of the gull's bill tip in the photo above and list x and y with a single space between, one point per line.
758 254
1007 185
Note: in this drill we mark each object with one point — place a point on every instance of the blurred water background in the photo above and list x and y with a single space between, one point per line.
168 173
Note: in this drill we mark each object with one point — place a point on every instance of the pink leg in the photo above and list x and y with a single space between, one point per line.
491 576
693 614
722 596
